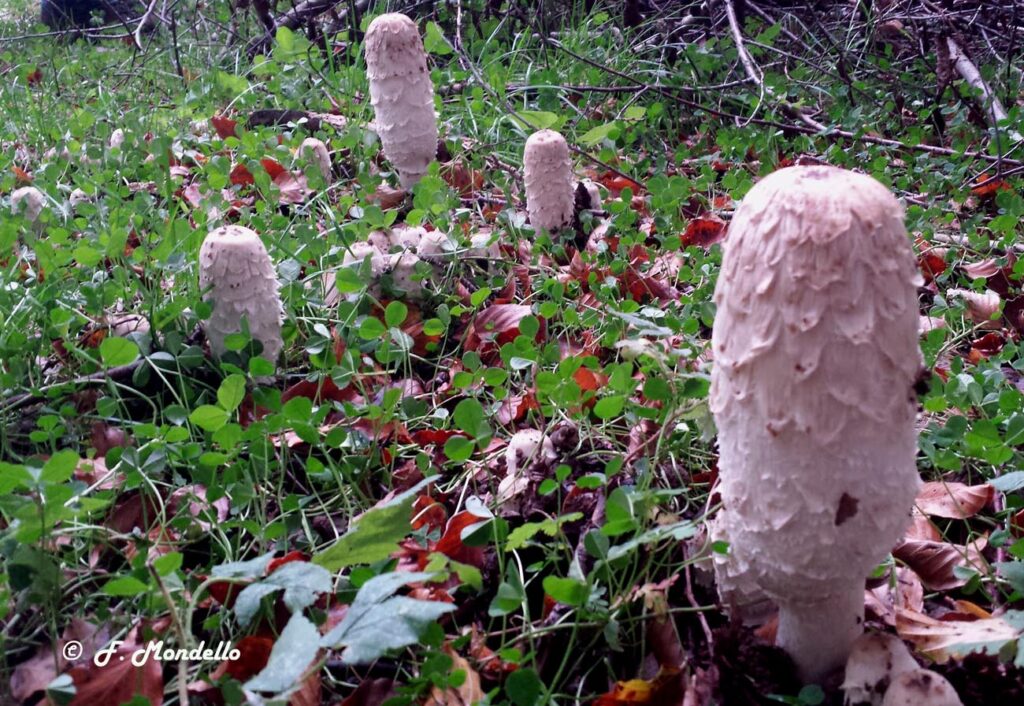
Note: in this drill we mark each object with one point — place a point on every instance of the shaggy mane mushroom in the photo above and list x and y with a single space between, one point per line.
815 357
402 95
235 268
547 171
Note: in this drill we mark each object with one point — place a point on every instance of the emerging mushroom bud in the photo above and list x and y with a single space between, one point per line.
525 447
402 95
236 270
815 358
116 139
29 201
874 660
315 151
548 175
921 687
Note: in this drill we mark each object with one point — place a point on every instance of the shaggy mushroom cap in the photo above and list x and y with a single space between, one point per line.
29 201
435 247
815 357
357 253
875 659
236 271
548 175
315 151
921 687
526 446
407 237
404 276
402 95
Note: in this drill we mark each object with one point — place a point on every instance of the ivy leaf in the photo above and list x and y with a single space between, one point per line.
295 649
375 536
378 621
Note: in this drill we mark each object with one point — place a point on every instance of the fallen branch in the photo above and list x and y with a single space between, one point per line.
989 101
297 16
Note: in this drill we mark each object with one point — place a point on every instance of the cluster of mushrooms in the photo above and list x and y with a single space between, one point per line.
815 348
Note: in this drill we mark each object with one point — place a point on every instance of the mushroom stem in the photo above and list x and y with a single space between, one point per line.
819 635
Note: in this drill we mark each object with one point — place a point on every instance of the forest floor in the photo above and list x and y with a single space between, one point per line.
353 521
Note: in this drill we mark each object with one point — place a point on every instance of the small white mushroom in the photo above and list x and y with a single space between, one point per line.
435 247
815 356
357 253
548 175
236 272
921 687
116 139
77 198
874 660
525 447
407 237
593 194
484 245
404 276
402 95
315 151
28 201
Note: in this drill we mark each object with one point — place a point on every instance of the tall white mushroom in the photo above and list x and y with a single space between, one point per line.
815 347
402 95
236 272
548 175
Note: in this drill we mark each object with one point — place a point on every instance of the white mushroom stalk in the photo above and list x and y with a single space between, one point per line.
236 272
547 171
815 357
402 95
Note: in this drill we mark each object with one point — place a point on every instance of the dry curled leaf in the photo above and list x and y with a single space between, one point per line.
934 562
981 306
942 639
953 500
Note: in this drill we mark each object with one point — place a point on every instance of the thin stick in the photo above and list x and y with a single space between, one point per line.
990 102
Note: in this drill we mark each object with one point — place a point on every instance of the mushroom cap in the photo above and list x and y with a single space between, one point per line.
921 687
357 253
316 151
29 201
874 660
484 244
435 247
547 171
116 139
403 269
402 95
815 356
407 237
526 446
236 269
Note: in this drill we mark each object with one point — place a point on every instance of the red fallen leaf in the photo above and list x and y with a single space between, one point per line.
225 593
498 325
104 437
986 187
514 407
319 391
225 127
703 232
883 601
34 77
387 197
953 500
438 437
988 345
275 564
1017 524
615 183
118 681
463 180
371 692
255 651
273 167
241 176
292 187
427 512
451 544
488 661
667 687
644 287
21 175
932 264
549 605
722 202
